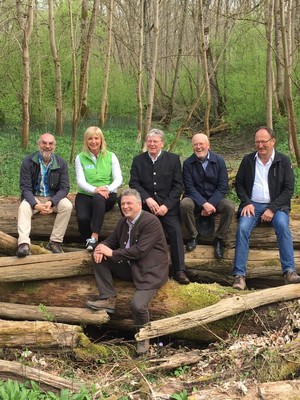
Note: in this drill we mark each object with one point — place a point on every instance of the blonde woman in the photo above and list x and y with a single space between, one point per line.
98 176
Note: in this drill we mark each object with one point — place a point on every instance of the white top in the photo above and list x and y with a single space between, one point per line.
260 191
116 173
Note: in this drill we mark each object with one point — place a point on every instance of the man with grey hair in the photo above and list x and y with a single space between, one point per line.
136 251
44 183
156 175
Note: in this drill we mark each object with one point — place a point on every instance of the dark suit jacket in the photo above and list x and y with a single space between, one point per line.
148 252
162 180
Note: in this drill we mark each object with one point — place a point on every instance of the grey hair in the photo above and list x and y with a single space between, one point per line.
132 192
266 128
156 132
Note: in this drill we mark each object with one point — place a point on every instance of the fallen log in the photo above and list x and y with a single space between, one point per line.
23 373
13 269
172 299
263 268
263 236
224 308
41 335
70 315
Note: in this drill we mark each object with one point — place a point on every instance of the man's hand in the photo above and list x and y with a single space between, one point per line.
248 210
102 251
267 216
162 210
103 191
44 209
152 204
207 209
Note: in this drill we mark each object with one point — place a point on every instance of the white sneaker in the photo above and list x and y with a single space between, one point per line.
91 243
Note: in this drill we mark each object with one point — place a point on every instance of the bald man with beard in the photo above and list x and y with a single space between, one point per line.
205 179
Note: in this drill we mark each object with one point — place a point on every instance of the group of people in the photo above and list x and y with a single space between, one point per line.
161 197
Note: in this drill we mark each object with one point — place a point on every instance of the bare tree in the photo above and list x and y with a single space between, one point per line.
140 74
25 20
203 45
292 132
153 64
74 76
269 12
104 105
56 60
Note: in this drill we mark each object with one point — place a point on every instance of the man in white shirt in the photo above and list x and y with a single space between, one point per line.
265 185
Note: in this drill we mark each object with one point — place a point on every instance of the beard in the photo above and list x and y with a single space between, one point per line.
46 155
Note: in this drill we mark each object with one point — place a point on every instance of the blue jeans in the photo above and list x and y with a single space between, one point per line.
280 223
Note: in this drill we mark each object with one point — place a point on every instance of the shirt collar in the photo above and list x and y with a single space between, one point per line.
131 223
155 159
270 159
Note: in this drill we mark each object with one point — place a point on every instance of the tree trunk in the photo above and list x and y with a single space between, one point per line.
104 105
59 106
140 74
152 72
74 80
263 236
25 19
269 12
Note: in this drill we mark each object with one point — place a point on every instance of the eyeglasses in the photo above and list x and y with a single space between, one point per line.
263 142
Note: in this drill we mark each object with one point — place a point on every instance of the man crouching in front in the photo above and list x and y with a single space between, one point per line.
136 251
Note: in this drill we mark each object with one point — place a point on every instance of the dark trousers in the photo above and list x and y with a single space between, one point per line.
188 209
172 227
104 273
90 212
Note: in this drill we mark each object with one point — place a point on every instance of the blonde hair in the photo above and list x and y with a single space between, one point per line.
91 131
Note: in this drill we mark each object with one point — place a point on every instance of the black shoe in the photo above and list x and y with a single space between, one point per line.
23 250
181 278
191 244
54 247
219 248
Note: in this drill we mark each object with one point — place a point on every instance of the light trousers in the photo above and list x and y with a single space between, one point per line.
25 213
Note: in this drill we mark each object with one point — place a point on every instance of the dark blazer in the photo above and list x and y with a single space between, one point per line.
58 179
280 179
148 252
162 180
205 186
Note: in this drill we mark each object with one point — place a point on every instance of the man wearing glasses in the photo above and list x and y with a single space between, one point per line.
264 185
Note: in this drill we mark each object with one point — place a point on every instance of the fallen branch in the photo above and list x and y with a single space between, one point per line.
23 373
224 308
70 315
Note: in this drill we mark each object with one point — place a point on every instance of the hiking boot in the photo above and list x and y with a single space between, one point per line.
291 277
142 346
91 243
109 304
23 250
239 282
54 247
181 278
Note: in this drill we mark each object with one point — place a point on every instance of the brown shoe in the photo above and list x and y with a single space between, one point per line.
109 304
239 282
143 346
291 277
181 278
23 250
